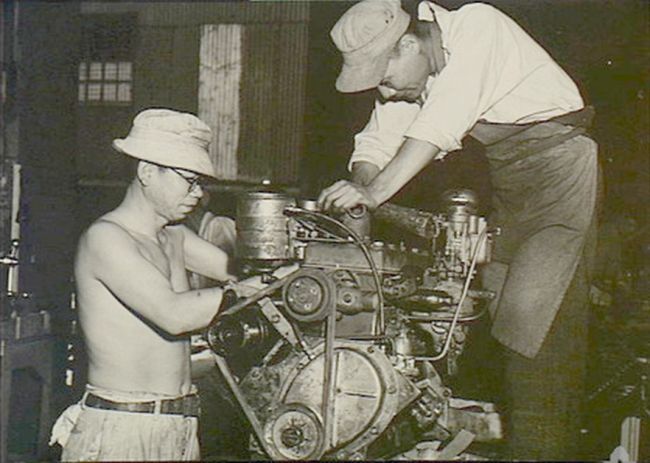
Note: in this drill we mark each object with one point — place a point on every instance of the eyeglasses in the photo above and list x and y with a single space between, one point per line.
193 182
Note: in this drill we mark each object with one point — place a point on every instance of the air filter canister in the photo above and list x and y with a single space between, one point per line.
262 230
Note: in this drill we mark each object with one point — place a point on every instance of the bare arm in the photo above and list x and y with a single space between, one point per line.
411 158
111 256
252 285
203 257
364 172
171 239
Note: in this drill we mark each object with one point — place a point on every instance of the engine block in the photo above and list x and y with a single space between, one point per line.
344 358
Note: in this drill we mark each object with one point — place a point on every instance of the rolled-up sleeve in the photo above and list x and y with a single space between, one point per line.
382 137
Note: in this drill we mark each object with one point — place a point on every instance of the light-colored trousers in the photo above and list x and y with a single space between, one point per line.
90 434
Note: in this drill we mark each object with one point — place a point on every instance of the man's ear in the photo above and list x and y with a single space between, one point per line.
409 44
144 171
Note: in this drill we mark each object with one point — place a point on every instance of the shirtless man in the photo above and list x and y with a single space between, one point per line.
136 308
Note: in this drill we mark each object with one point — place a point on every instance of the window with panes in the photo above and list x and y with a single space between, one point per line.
106 65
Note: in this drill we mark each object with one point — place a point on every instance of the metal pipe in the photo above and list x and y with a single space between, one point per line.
13 272
463 295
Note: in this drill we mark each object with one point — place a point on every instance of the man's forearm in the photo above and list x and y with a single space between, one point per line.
182 313
364 172
412 157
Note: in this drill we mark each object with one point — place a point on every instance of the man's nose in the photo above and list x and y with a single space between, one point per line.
386 92
197 191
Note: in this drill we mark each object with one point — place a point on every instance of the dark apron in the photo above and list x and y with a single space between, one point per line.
544 181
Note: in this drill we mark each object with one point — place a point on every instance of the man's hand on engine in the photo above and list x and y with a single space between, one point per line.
345 195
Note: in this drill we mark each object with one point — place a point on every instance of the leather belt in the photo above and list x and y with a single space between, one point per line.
187 405
528 148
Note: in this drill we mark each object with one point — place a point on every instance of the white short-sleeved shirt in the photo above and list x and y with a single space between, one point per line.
495 72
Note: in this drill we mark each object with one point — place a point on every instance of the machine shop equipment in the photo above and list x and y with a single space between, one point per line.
345 357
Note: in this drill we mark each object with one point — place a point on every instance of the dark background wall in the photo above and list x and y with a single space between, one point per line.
45 90
38 107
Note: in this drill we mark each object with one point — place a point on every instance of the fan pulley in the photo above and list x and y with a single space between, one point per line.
294 432
309 295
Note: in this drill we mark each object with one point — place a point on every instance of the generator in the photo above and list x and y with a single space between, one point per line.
342 350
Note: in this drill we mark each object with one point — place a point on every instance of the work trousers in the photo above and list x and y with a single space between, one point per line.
545 198
92 434
544 394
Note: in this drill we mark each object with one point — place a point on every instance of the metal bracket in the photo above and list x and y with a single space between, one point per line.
281 324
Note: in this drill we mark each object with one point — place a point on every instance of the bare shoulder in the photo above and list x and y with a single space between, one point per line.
103 239
104 232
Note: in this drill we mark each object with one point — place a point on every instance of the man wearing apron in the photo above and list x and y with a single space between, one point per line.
474 71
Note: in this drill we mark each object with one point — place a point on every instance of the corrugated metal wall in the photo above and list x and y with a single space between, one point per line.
220 68
251 92
273 89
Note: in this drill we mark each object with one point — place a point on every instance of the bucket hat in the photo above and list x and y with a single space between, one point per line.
169 138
